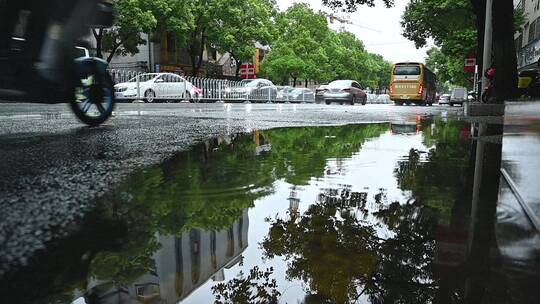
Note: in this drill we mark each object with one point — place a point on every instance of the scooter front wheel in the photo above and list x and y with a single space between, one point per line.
94 98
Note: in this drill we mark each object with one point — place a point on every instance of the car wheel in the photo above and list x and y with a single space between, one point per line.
398 103
353 100
327 102
364 101
187 97
149 96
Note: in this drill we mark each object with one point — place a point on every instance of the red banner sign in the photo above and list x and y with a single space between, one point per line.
247 71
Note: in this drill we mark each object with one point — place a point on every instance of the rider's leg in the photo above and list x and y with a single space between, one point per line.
56 56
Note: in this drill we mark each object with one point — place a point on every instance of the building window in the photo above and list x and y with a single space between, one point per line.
519 42
537 29
532 30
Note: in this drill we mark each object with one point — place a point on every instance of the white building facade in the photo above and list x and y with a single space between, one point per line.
528 40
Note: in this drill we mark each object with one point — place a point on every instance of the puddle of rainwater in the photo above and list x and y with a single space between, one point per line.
352 214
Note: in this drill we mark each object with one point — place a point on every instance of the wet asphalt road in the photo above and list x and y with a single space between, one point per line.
54 168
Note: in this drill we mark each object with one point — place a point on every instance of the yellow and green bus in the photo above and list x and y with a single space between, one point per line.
412 82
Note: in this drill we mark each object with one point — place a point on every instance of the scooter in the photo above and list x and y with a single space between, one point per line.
39 61
529 82
489 90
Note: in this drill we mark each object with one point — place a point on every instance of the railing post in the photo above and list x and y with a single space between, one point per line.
138 87
219 91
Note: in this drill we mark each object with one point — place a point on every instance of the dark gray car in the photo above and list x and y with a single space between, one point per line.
301 95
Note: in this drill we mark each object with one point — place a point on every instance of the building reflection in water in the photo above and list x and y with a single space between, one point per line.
183 264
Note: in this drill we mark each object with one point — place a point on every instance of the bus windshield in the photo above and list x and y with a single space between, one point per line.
407 70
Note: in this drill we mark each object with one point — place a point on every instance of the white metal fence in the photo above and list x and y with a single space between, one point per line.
133 85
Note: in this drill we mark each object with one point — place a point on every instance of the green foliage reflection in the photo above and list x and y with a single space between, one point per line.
436 178
211 185
342 256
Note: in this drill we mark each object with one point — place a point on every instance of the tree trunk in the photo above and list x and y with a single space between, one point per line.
237 68
294 82
113 51
197 65
98 35
193 53
237 61
479 8
305 83
504 52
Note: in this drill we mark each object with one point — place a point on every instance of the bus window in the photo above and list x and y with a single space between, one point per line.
407 70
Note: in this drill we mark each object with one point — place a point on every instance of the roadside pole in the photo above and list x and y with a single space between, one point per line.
488 35
138 88
475 83
481 127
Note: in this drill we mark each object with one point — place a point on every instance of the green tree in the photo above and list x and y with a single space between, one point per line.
298 47
435 19
242 23
457 26
305 48
131 19
282 64
352 5
449 69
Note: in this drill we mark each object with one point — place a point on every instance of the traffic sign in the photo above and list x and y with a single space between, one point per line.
247 71
470 63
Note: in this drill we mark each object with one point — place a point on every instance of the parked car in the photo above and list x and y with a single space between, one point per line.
342 91
253 89
319 93
458 96
283 93
157 86
471 96
384 99
302 95
444 99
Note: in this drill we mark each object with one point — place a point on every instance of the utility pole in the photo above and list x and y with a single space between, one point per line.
488 36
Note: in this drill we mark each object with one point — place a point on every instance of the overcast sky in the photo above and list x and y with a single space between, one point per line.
378 27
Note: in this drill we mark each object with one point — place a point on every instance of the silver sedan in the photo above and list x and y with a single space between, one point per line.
342 91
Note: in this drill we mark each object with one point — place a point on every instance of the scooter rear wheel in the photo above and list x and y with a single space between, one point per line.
94 99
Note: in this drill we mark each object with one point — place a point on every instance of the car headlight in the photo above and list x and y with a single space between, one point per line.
120 89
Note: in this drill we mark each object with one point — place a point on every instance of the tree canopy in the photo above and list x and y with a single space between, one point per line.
131 19
229 26
352 5
305 48
436 19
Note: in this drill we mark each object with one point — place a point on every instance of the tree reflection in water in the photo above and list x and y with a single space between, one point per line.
348 247
343 254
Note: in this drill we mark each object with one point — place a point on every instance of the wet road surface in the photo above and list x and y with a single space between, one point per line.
170 203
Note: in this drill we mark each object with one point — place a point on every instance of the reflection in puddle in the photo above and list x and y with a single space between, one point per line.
373 213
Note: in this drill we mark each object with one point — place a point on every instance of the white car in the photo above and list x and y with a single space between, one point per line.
458 96
157 86
253 89
444 99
